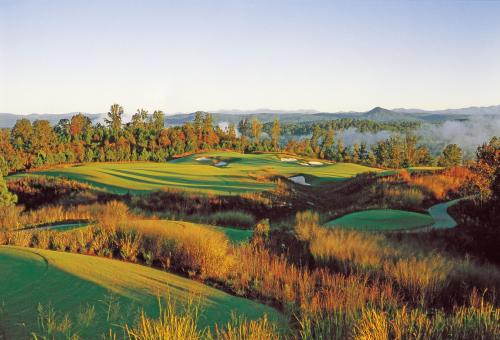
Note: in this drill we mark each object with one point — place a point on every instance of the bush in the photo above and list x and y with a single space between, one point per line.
232 218
306 224
403 197
9 217
171 324
187 247
111 215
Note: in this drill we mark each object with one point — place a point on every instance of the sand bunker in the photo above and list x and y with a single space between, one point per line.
220 164
203 159
299 180
289 159
315 163
304 164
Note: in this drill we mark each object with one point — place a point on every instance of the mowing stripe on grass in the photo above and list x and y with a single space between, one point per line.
241 174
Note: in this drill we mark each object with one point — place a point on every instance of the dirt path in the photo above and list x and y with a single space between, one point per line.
439 212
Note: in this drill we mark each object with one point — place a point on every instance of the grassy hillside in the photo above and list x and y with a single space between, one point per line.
382 220
214 172
166 227
69 282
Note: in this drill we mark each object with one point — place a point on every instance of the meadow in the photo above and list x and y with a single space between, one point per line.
241 173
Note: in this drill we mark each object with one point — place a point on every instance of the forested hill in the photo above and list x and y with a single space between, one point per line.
377 114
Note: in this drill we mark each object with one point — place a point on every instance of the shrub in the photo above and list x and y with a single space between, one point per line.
347 250
170 325
128 242
373 325
111 215
34 191
262 229
18 238
403 197
9 217
421 279
232 218
190 248
41 239
241 329
306 224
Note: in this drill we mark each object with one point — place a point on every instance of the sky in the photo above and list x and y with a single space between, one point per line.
182 56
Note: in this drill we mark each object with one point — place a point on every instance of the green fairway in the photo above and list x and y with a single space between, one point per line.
235 173
62 226
69 282
382 220
236 235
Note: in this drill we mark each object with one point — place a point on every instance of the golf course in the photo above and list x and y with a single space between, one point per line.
234 235
382 220
212 172
166 227
117 290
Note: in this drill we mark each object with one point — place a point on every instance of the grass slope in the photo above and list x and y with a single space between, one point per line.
165 226
382 220
239 175
69 281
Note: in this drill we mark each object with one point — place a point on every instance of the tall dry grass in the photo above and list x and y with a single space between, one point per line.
422 277
362 285
190 248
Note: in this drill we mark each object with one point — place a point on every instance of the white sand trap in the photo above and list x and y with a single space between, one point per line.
220 164
315 163
203 159
289 159
304 164
299 180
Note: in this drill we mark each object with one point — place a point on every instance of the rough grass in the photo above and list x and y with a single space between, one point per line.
243 173
382 220
119 290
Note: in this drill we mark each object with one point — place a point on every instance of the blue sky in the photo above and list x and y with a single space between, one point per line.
62 56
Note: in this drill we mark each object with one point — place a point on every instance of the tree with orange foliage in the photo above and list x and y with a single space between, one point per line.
486 167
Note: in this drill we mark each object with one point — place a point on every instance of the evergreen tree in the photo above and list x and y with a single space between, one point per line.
275 135
315 138
256 130
328 140
114 120
452 156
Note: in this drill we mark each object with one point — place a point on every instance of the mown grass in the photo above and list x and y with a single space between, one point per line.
118 290
382 220
187 229
243 173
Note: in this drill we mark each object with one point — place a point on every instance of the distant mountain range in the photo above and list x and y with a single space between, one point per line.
267 115
378 114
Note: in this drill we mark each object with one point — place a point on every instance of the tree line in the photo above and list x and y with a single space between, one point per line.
361 125
145 138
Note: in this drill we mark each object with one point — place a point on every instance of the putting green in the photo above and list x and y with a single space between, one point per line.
382 220
69 282
239 173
